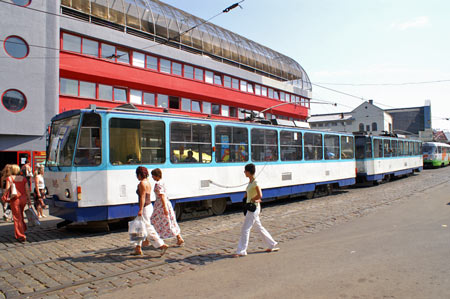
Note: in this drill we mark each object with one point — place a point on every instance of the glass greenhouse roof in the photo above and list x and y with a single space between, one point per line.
169 23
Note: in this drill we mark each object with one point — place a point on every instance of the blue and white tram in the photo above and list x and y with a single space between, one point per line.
92 155
380 158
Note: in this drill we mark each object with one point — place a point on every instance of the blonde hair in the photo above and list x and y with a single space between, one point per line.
39 169
15 169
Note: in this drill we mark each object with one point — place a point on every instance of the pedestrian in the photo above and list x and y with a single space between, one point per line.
163 218
39 191
253 195
6 172
18 203
145 211
27 172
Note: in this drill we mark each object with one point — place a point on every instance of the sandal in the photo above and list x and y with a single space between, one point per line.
145 243
137 251
163 249
272 249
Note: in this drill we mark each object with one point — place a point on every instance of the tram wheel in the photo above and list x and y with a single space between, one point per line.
178 211
219 206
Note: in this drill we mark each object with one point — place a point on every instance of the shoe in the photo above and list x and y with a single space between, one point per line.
137 251
180 243
238 255
145 243
272 249
163 249
22 240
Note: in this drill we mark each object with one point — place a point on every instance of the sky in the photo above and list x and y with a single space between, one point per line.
346 45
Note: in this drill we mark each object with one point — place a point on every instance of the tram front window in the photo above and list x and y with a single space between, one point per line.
62 141
429 149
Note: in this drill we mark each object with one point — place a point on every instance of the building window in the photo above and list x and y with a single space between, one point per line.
138 59
149 99
164 66
225 110
209 77
216 109
361 127
90 47
233 112
135 97
16 47
163 101
152 63
241 114
250 87
120 94
374 126
196 106
232 144
264 91
243 85
22 2
206 108
108 51
264 145
174 102
368 128
71 43
190 143
257 89
105 92
271 93
282 96
87 90
275 95
198 74
189 72
227 81
14 100
176 68
185 104
68 87
235 83
217 79
123 56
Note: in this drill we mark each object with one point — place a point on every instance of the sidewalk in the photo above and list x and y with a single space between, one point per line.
400 251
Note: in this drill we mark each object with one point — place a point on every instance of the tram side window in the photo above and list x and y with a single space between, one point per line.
313 146
331 147
401 148
394 145
89 141
231 144
347 151
377 148
134 141
416 148
264 145
411 148
387 148
190 143
290 146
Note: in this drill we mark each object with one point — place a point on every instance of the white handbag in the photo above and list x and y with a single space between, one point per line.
13 191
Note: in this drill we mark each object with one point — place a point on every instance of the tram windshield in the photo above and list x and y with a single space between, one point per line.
428 149
61 145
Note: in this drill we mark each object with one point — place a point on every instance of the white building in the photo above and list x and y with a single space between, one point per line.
366 117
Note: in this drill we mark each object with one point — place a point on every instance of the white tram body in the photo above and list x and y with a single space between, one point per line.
93 155
381 157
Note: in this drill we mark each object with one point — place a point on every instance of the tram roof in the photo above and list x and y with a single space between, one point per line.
168 24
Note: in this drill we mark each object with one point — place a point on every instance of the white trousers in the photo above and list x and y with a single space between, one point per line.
152 235
252 218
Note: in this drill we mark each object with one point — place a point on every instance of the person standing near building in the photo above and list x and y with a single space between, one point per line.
39 191
145 211
6 172
163 218
253 195
27 172
18 203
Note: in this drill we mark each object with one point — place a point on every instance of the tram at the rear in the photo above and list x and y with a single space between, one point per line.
92 156
381 158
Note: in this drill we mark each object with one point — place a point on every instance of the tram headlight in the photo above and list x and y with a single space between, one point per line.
67 193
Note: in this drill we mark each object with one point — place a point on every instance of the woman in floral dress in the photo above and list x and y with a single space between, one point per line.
163 218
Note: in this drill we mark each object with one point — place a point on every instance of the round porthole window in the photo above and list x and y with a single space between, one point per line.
14 100
22 2
16 47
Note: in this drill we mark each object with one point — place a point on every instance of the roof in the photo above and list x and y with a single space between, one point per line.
172 24
330 117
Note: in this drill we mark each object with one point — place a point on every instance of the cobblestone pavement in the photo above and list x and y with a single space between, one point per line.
66 264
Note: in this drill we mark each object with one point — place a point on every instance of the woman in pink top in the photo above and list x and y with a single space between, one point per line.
18 203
